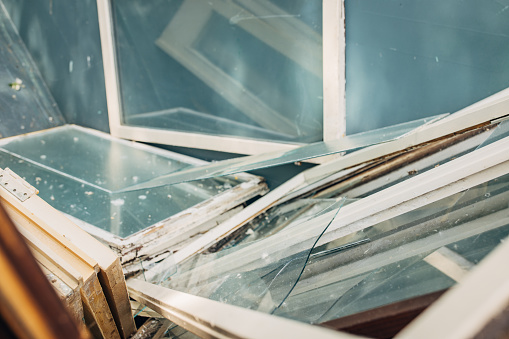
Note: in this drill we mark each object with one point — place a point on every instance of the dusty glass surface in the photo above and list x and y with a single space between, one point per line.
259 274
25 103
263 82
249 163
63 40
77 171
411 59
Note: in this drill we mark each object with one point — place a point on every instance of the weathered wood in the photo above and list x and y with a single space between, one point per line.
29 304
70 297
61 254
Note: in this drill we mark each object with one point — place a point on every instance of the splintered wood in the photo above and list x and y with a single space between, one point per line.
86 274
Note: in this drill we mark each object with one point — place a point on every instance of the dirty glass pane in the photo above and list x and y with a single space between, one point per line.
270 159
407 256
81 178
25 103
63 39
411 59
231 68
259 274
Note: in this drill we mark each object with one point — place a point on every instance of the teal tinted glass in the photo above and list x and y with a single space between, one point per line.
410 59
232 68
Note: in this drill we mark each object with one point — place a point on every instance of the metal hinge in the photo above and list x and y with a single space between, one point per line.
16 185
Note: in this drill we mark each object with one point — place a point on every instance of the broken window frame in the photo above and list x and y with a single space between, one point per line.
479 166
152 242
461 312
333 92
482 113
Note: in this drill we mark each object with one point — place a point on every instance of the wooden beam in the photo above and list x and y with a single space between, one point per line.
64 254
385 321
29 304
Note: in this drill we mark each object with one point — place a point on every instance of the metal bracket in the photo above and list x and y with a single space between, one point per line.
16 185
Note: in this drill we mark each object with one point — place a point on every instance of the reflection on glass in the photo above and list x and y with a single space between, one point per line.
25 103
318 149
395 265
243 68
63 39
259 274
411 59
77 171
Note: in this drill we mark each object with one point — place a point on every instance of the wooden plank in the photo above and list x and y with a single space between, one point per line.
48 240
70 297
110 272
80 243
29 304
385 321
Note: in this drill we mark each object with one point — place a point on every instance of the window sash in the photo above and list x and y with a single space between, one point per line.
333 92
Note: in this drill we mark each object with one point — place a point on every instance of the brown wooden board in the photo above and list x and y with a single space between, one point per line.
385 321
29 305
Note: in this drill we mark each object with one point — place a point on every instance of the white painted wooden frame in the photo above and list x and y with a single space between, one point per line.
483 112
458 175
473 303
333 86
461 313
212 319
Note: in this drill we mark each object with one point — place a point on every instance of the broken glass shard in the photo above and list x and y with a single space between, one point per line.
315 150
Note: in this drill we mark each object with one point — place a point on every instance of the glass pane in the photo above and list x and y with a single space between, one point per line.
233 68
318 149
411 59
25 103
81 179
396 264
63 39
258 274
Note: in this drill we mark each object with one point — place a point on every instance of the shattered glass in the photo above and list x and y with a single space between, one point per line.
258 274
395 264
275 266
